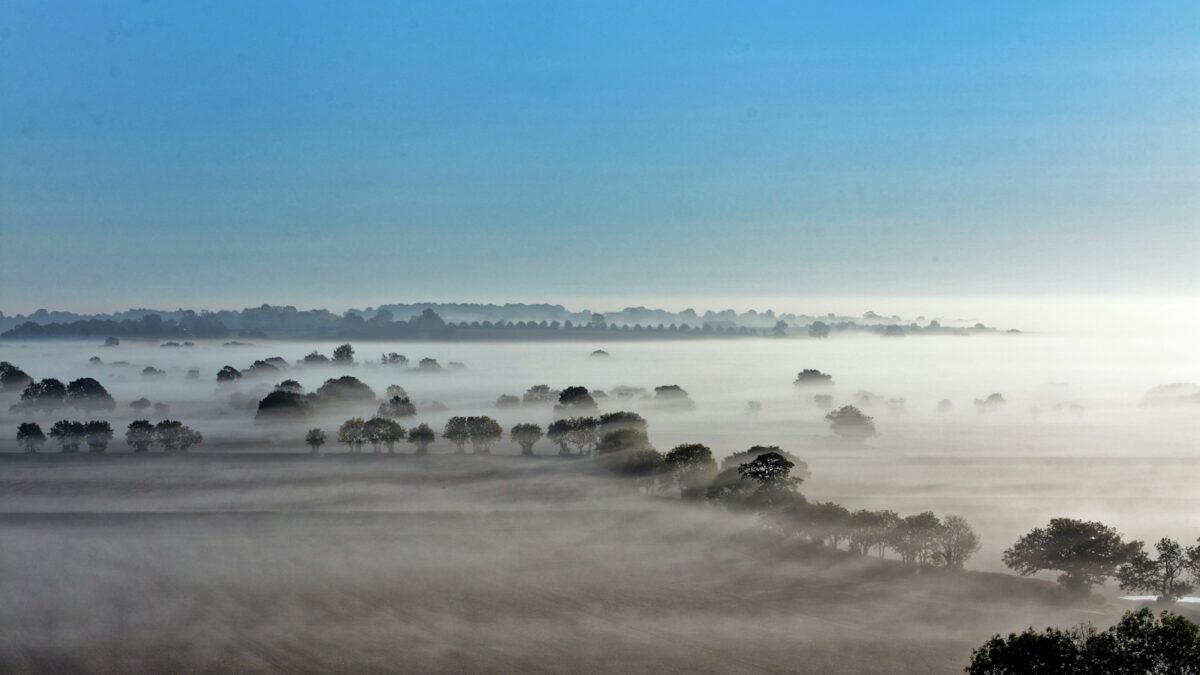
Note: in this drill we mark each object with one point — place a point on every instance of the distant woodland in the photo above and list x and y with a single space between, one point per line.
454 321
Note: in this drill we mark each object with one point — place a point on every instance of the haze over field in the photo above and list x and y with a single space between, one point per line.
580 337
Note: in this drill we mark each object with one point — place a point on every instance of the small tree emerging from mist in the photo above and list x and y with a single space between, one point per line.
1086 552
422 436
394 359
457 432
484 432
692 468
343 354
810 377
575 399
228 375
526 436
540 394
1139 644
1165 576
558 432
621 420
140 405
139 435
397 406
850 423
314 439
98 435
818 329
30 436
992 403
68 434
352 434
508 401
954 542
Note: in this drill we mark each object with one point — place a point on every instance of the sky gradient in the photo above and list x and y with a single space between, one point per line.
224 154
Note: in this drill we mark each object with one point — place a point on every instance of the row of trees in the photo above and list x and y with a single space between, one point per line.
141 435
1089 552
50 394
763 480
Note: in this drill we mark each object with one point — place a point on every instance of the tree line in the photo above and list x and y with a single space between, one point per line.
141 435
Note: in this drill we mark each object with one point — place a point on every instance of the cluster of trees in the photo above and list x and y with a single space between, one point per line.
170 435
149 326
1139 644
1089 552
49 394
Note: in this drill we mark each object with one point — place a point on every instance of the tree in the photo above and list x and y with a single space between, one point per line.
343 354
88 394
799 466
526 436
345 390
1140 644
673 396
558 433
621 420
314 439
992 403
98 435
508 401
1086 552
139 405
850 423
1165 577
540 394
623 441
315 358
394 359
373 432
771 470
692 467
352 434
139 435
458 432
422 436
397 406
811 377
47 395
68 434
228 375
283 406
914 536
13 378
954 542
483 432
818 329
575 398
30 436
174 436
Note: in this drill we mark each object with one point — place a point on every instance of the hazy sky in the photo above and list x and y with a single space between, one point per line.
220 154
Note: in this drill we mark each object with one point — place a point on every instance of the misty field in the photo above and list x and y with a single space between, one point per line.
248 554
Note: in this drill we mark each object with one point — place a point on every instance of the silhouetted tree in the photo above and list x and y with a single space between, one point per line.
174 436
458 432
290 386
381 431
1166 577
421 436
282 406
30 436
1086 552
68 434
673 396
818 329
526 436
614 421
162 409
810 377
1140 644
315 358
345 390
228 375
429 365
954 542
992 403
98 435
47 395
140 435
574 399
343 354
13 378
314 439
850 423
507 401
484 432
140 405
395 390
352 434
394 359
397 406
691 467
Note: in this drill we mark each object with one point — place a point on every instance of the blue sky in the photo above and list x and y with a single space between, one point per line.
221 154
